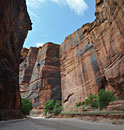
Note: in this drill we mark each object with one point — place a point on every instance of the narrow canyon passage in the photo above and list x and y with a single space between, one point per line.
90 59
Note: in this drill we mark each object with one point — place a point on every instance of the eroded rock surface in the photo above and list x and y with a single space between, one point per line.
14 26
93 57
41 81
115 105
90 59
26 67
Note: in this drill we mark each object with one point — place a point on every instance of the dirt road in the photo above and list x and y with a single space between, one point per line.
56 124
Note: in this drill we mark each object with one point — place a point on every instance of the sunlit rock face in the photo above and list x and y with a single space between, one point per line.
26 67
40 75
14 26
116 105
109 42
80 70
88 60
93 57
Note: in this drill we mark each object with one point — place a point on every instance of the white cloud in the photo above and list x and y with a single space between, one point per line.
56 1
34 15
39 44
60 2
78 6
34 3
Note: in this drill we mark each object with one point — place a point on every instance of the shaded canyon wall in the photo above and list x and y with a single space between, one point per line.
14 26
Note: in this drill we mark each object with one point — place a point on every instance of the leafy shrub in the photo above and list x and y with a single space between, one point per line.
49 106
57 105
26 106
52 107
92 101
105 97
57 108
100 101
79 104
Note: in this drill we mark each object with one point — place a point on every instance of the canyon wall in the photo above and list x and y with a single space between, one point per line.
88 60
93 57
80 70
14 26
40 78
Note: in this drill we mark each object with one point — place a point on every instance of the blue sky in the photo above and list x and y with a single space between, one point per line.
53 20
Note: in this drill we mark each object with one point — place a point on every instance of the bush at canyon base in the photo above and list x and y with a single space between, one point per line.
52 106
26 106
100 101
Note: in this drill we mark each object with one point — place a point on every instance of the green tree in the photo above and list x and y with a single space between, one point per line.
57 108
49 106
105 97
52 106
26 106
92 100
100 101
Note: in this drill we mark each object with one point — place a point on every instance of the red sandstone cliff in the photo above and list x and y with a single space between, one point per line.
40 75
93 57
90 59
14 26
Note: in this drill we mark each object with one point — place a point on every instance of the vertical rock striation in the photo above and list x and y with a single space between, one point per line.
89 59
42 81
108 39
14 26
80 71
93 57
26 67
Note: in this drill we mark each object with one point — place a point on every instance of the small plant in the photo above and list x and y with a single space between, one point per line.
79 104
52 107
57 108
49 106
92 101
26 106
100 101
105 97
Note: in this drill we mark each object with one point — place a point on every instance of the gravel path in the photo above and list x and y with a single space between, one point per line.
56 124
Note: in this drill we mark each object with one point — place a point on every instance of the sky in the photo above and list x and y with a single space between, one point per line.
54 20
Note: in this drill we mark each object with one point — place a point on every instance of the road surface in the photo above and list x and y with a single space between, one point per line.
56 124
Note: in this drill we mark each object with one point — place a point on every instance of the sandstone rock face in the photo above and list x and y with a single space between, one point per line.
89 59
26 67
41 81
108 39
14 26
24 53
93 57
80 71
116 105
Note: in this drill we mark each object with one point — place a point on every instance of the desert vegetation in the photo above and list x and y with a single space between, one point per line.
99 101
52 107
26 106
